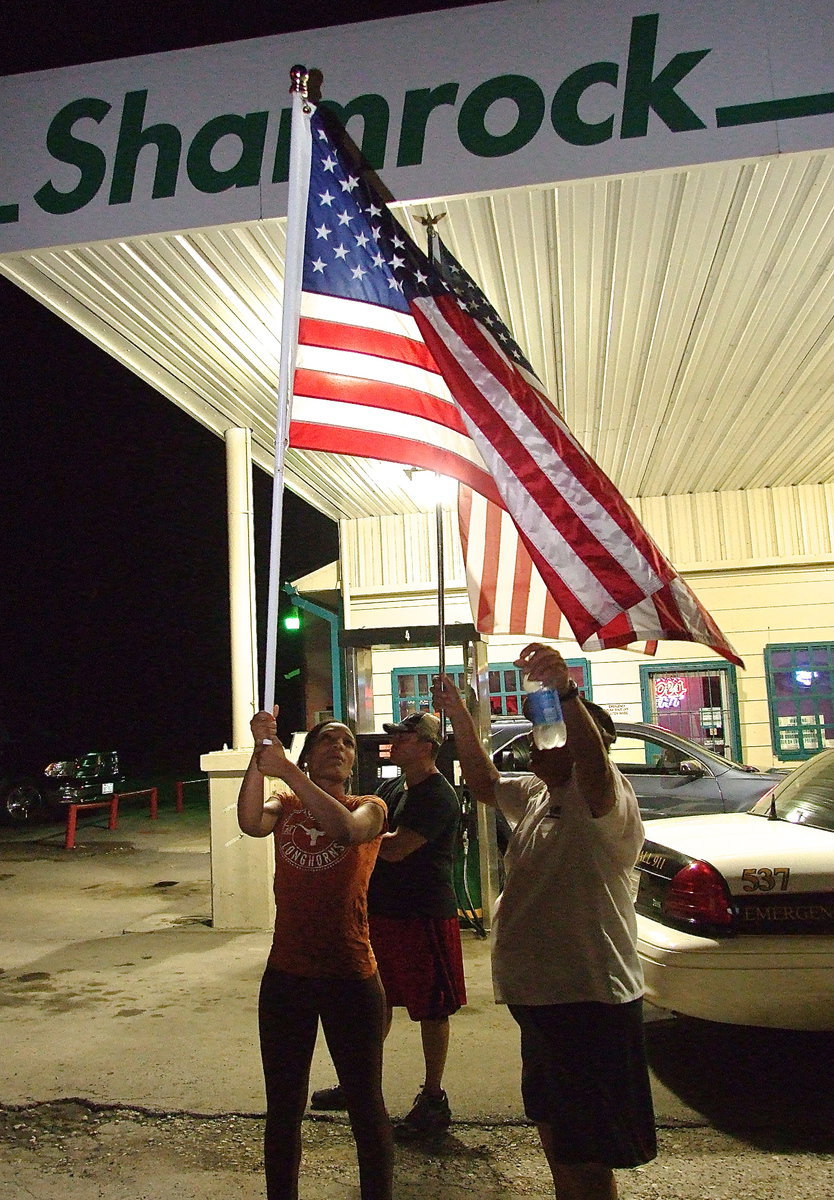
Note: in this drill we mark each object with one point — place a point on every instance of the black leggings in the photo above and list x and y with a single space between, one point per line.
352 1014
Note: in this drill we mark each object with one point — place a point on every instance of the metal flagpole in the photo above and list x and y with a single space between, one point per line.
299 186
441 601
430 223
466 906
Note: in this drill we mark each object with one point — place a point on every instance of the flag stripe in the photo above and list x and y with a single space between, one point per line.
332 413
370 442
522 573
513 597
475 557
552 616
358 366
376 394
361 314
493 568
360 340
506 592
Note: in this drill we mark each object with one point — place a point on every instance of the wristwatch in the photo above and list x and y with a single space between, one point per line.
570 693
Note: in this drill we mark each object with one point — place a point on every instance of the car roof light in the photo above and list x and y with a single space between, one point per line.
698 895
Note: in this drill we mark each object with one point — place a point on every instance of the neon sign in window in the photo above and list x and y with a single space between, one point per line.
669 692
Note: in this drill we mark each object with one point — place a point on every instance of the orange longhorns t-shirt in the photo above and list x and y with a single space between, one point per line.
321 897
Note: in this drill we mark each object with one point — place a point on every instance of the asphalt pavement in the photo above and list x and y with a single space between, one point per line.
117 995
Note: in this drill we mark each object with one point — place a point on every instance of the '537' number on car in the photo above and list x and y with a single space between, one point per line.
765 879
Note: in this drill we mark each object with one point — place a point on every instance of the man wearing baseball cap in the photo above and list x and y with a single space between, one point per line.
413 912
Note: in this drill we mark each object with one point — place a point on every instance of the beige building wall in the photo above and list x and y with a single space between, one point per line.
761 561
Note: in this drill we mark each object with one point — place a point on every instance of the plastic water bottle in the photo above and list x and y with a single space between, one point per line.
545 711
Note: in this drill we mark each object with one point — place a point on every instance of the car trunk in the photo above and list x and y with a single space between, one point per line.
738 874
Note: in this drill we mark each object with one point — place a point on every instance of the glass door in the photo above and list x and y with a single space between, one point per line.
695 700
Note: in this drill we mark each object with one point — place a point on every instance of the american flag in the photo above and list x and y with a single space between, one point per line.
404 359
365 383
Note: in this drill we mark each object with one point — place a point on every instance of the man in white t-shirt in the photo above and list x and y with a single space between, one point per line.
564 953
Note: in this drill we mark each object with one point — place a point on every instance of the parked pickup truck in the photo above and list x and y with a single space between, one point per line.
31 790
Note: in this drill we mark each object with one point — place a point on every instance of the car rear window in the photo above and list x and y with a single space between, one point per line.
806 796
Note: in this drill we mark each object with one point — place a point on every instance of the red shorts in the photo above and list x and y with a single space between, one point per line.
421 964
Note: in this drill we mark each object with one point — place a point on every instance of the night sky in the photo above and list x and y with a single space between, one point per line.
114 600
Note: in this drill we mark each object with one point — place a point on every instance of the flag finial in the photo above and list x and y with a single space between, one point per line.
430 222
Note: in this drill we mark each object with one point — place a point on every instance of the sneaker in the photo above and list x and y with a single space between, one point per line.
429 1115
330 1099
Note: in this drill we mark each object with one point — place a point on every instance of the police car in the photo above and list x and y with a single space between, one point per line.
735 911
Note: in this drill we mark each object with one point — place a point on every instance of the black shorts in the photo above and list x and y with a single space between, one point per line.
584 1073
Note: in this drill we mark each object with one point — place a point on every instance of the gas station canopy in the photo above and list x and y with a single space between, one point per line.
647 200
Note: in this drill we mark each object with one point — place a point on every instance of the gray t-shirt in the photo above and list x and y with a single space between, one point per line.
564 928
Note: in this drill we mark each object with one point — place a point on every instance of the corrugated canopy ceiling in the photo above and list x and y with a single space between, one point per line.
682 320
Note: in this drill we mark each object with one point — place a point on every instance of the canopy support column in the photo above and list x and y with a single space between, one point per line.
241 867
241 516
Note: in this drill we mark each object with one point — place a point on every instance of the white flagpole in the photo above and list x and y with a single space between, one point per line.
299 186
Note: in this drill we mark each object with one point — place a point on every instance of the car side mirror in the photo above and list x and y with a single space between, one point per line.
690 766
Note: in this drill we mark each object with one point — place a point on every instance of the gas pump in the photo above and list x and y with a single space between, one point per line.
373 762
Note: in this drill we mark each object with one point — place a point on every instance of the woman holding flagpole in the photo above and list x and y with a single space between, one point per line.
321 966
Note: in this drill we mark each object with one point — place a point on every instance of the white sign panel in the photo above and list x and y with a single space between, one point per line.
444 103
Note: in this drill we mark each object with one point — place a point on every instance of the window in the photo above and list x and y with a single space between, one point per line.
505 694
695 700
411 690
800 691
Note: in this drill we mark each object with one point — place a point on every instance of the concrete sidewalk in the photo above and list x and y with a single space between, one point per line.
116 990
130 1065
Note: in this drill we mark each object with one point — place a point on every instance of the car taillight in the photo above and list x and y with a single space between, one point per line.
698 895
